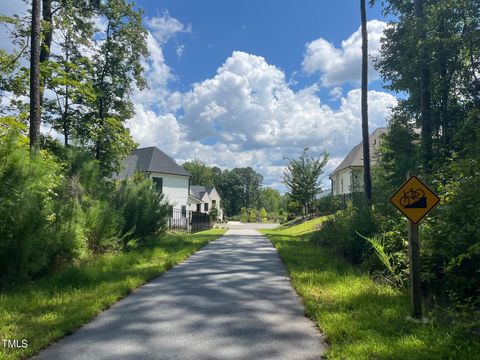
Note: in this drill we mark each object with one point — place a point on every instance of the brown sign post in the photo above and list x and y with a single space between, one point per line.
415 200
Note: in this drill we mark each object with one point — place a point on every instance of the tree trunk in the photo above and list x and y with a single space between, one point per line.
367 178
425 95
445 86
47 40
35 109
66 124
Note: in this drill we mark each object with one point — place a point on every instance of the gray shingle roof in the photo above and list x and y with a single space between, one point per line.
355 156
199 190
150 159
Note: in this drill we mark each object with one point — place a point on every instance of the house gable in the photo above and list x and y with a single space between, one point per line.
355 156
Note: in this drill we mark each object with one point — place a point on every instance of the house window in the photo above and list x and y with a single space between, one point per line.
205 207
170 210
199 207
158 184
341 185
214 203
184 211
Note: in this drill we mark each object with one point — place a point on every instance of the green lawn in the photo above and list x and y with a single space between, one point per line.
360 318
46 310
300 229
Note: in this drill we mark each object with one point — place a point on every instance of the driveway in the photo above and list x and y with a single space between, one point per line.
230 300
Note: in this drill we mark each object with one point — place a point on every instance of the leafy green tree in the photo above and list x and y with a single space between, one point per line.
239 187
270 199
201 173
69 74
302 179
294 208
118 64
429 55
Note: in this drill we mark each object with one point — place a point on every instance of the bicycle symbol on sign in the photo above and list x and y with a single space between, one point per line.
411 197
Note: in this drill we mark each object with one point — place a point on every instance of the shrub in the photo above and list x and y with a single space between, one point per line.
142 208
451 236
263 215
329 205
243 215
252 215
341 231
213 214
27 196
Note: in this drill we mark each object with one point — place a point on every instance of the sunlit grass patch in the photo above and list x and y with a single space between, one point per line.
360 318
300 229
54 306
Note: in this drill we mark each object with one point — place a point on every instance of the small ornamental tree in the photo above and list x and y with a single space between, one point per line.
213 213
301 177
252 215
263 215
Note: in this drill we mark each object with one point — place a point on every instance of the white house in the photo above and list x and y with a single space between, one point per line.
347 178
170 179
209 197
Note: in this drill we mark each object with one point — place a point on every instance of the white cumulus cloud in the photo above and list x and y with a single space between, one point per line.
255 119
158 74
338 66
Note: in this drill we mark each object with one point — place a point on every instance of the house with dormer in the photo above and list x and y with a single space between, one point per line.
347 178
210 198
170 179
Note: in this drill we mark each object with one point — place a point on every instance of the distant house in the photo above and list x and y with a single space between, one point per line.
347 178
170 179
209 197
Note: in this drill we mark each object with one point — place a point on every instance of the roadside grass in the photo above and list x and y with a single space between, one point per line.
362 319
46 310
300 229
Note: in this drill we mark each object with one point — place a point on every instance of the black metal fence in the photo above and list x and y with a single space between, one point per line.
188 221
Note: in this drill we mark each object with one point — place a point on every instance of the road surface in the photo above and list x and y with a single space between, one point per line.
230 300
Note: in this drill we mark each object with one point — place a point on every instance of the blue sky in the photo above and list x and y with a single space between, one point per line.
275 30
248 83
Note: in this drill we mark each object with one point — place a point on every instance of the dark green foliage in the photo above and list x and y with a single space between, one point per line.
54 212
142 208
329 205
342 232
213 214
270 199
27 197
451 250
238 187
201 174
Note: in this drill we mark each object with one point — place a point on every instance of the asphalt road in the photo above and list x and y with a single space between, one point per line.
230 300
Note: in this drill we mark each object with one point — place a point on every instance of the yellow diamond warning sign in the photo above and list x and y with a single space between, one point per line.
414 199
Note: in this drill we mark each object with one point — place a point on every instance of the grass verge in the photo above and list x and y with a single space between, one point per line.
300 229
360 318
56 305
